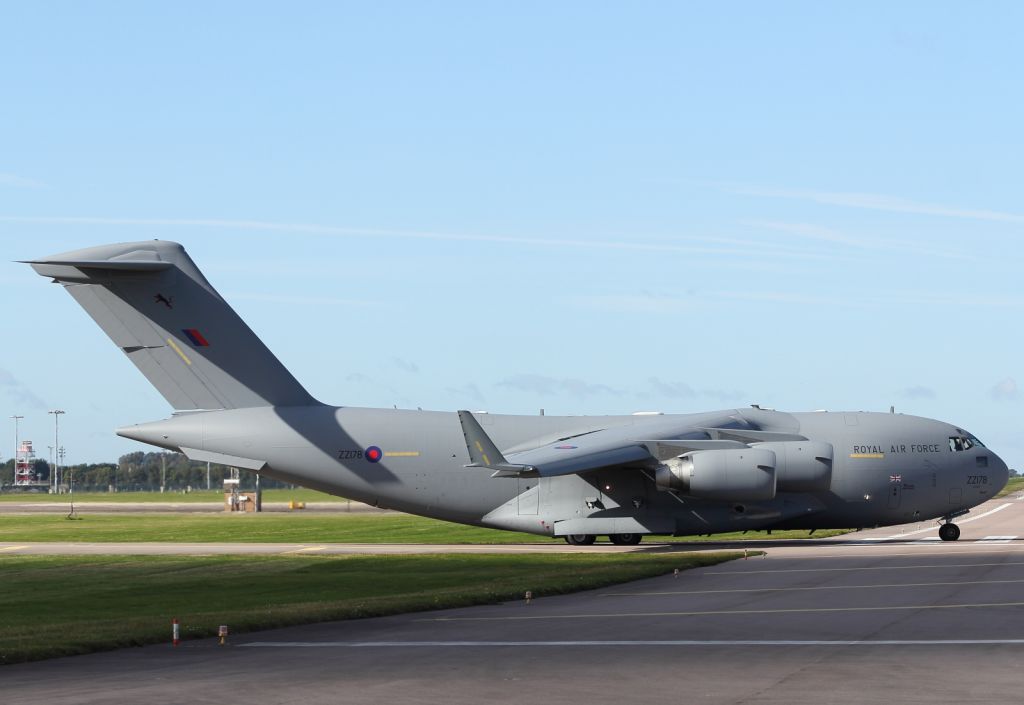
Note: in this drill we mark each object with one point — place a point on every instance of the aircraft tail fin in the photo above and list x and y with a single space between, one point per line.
156 305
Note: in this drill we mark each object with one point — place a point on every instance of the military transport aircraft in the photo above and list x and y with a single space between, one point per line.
577 477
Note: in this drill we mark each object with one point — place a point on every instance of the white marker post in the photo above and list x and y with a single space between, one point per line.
175 632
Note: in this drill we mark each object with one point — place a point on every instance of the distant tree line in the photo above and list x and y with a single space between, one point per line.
141 471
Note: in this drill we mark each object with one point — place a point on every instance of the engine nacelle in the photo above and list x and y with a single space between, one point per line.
742 474
801 466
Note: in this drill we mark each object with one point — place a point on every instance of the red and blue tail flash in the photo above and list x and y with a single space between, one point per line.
196 337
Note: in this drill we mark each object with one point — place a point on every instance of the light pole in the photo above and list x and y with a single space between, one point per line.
56 445
71 477
14 476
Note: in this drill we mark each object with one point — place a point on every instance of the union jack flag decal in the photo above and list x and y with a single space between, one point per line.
895 478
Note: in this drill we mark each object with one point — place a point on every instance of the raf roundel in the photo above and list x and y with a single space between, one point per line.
373 454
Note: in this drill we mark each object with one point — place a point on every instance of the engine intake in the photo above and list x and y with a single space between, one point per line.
731 475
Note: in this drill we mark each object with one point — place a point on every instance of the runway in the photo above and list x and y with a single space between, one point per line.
923 534
883 615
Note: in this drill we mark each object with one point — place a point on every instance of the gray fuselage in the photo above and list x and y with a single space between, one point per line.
887 468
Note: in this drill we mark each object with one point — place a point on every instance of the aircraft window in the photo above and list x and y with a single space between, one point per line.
959 443
975 441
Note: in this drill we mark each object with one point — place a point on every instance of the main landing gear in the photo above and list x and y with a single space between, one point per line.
617 539
580 539
625 539
949 532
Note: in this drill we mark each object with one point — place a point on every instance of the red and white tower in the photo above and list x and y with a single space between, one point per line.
24 465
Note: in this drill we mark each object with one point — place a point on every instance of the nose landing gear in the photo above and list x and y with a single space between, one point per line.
949 532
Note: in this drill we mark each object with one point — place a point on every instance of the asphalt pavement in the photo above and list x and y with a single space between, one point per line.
889 615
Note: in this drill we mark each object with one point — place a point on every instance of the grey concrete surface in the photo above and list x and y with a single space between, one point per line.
880 616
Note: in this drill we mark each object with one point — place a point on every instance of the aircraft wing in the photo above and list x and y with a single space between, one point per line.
617 446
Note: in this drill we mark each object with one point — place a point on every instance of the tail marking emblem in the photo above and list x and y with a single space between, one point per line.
166 301
195 337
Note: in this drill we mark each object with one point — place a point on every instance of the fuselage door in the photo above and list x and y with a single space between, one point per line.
895 494
529 495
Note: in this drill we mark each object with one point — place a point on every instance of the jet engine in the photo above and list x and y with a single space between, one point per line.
801 466
741 474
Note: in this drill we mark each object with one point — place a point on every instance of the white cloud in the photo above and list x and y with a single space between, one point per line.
15 181
834 237
918 392
468 390
633 303
682 390
726 248
545 386
672 390
18 393
301 300
880 202
1006 390
405 365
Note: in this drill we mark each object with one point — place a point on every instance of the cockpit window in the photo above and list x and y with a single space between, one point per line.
960 443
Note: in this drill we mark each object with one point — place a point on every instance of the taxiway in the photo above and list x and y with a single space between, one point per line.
883 615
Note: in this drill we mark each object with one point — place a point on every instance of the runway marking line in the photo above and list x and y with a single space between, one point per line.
820 587
674 642
872 567
916 552
12 548
965 521
997 539
307 549
706 613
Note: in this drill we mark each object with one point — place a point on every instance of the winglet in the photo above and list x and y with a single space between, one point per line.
484 454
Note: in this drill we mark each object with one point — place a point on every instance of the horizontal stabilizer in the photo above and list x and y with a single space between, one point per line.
231 461
113 265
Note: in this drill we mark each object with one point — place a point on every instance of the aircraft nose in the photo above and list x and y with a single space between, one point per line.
999 473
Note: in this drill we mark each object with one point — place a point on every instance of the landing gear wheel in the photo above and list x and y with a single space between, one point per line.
625 539
949 532
580 539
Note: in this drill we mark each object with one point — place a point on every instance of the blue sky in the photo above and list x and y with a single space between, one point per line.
585 207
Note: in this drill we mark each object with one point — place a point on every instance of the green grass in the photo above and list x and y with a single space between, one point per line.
58 606
279 527
299 495
1016 484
